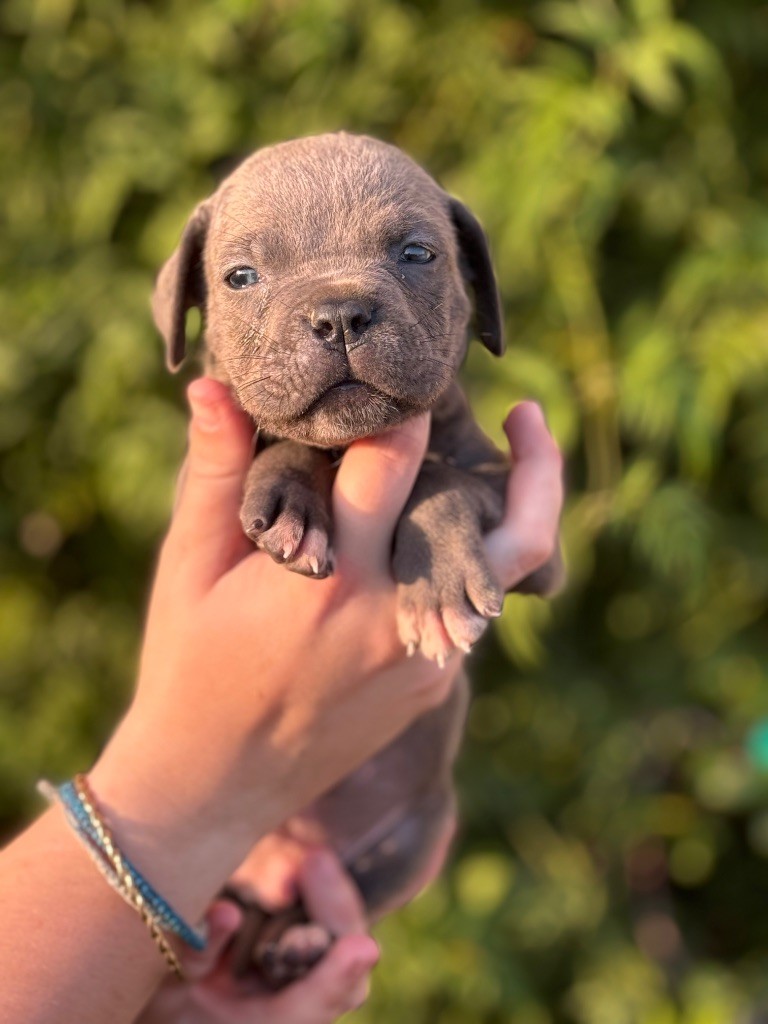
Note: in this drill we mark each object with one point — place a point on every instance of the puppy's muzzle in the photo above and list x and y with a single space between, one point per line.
341 322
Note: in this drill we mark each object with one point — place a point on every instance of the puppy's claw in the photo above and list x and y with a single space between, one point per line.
313 558
410 649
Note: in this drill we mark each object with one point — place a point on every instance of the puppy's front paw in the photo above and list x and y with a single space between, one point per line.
290 521
446 605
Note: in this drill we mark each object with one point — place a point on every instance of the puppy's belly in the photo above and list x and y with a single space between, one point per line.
385 819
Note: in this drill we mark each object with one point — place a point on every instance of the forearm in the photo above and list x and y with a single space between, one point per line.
70 948
186 826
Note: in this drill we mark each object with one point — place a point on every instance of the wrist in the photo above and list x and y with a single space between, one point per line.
186 839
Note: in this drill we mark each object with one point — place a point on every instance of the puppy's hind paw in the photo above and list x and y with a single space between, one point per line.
293 954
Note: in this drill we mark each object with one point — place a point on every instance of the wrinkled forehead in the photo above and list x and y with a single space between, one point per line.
308 202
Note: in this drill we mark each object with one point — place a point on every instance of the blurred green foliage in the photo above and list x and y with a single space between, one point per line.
614 852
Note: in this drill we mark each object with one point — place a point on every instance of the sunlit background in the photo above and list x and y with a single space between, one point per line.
612 866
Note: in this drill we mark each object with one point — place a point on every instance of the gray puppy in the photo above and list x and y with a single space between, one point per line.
333 274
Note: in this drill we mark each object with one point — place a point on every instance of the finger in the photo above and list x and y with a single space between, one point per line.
374 481
330 896
206 535
223 920
337 985
527 535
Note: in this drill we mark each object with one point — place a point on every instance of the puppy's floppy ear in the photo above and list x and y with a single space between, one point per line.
181 285
476 264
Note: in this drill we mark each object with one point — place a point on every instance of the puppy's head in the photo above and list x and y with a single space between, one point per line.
331 275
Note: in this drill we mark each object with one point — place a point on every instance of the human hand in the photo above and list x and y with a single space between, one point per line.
524 549
259 688
275 872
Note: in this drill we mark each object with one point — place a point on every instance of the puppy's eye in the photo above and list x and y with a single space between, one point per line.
417 254
243 277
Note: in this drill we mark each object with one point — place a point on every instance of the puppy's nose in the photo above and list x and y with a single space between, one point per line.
341 322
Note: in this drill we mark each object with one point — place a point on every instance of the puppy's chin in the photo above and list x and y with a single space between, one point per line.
344 414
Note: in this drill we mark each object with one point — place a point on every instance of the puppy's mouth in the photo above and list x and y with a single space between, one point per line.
344 412
346 394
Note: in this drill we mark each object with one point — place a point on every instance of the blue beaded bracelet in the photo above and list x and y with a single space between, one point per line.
163 913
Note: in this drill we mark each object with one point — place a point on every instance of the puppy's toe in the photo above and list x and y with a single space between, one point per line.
302 945
419 623
290 521
482 588
408 622
468 603
464 625
283 539
449 606
314 558
435 643
293 954
258 514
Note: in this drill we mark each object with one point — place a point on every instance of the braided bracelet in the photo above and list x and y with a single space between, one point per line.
89 826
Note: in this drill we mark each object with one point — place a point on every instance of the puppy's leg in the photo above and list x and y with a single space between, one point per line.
386 818
286 507
387 821
446 590
276 948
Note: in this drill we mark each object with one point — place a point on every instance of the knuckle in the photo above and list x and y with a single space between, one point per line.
207 466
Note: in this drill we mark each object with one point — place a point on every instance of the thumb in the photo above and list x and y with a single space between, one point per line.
205 534
223 919
525 542
373 484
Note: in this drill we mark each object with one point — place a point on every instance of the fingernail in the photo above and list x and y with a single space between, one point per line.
204 412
